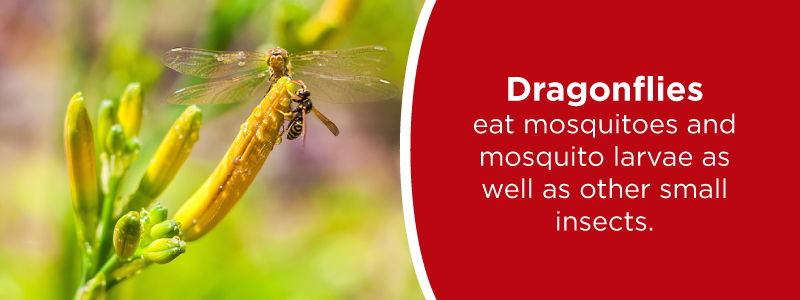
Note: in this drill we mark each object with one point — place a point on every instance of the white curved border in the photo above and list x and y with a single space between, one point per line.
405 149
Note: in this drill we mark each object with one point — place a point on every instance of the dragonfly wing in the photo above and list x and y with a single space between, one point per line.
337 88
245 87
355 61
332 127
212 64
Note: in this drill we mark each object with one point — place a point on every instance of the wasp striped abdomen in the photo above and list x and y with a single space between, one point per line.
295 131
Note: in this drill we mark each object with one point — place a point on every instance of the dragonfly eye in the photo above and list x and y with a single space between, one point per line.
303 93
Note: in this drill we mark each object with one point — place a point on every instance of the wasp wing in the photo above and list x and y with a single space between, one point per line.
245 87
212 64
332 127
337 88
355 61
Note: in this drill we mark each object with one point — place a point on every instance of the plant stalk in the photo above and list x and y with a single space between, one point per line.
107 219
86 266
110 266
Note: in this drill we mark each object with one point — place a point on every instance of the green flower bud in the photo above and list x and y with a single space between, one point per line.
79 143
107 117
147 222
166 229
158 214
127 234
162 251
169 158
115 140
130 109
131 152
93 289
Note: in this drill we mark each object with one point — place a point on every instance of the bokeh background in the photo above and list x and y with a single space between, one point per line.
324 225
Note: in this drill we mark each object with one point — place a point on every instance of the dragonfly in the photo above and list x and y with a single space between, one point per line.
334 75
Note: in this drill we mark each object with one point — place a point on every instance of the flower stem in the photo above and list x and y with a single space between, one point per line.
111 265
86 267
107 221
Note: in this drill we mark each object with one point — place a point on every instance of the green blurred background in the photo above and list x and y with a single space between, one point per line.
324 225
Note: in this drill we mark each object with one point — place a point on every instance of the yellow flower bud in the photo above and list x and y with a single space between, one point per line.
229 181
162 251
82 172
333 15
127 234
130 109
169 158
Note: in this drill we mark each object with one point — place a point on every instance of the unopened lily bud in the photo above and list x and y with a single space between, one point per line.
131 152
245 157
169 158
127 234
147 222
79 143
333 17
115 140
93 289
130 109
165 229
158 214
107 117
162 251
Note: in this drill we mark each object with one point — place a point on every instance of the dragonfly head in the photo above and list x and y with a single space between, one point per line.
277 58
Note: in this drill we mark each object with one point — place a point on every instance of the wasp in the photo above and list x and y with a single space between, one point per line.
297 122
